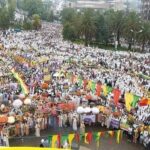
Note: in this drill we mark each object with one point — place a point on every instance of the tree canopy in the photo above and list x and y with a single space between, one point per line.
32 7
105 28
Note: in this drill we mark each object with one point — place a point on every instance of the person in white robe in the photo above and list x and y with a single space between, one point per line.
74 124
37 130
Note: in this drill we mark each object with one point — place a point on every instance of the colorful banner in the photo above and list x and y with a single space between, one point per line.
23 60
58 140
130 99
21 82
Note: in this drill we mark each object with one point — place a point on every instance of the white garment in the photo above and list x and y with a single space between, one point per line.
37 130
75 124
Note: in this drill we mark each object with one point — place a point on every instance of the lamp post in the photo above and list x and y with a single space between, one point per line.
115 41
135 34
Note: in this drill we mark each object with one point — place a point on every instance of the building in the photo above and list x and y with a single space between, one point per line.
145 9
96 4
20 15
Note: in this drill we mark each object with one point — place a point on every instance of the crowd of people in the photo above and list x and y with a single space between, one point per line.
56 73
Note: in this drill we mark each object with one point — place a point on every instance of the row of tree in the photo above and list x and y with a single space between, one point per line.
106 27
34 11
42 8
7 9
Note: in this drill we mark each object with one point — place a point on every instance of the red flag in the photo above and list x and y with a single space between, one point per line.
89 137
102 134
59 141
85 83
98 89
117 94
143 102
77 137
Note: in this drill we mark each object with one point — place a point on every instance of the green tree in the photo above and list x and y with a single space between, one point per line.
88 28
4 18
102 34
42 8
11 9
2 3
32 6
76 22
68 15
69 32
36 22
144 35
131 28
48 16
27 24
118 20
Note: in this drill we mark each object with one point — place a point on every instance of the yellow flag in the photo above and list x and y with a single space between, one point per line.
98 141
89 84
85 135
148 101
118 136
54 140
104 87
128 100
111 133
70 138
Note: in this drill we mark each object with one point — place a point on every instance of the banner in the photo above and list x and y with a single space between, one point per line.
128 100
21 82
131 99
87 138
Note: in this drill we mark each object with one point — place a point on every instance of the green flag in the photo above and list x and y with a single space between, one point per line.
79 81
135 100
109 89
95 136
81 137
93 86
49 140
64 138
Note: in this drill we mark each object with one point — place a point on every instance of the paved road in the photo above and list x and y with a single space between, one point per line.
106 143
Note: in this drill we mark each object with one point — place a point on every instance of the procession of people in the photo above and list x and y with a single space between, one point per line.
46 82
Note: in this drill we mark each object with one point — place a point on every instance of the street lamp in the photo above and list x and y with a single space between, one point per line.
115 41
135 33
